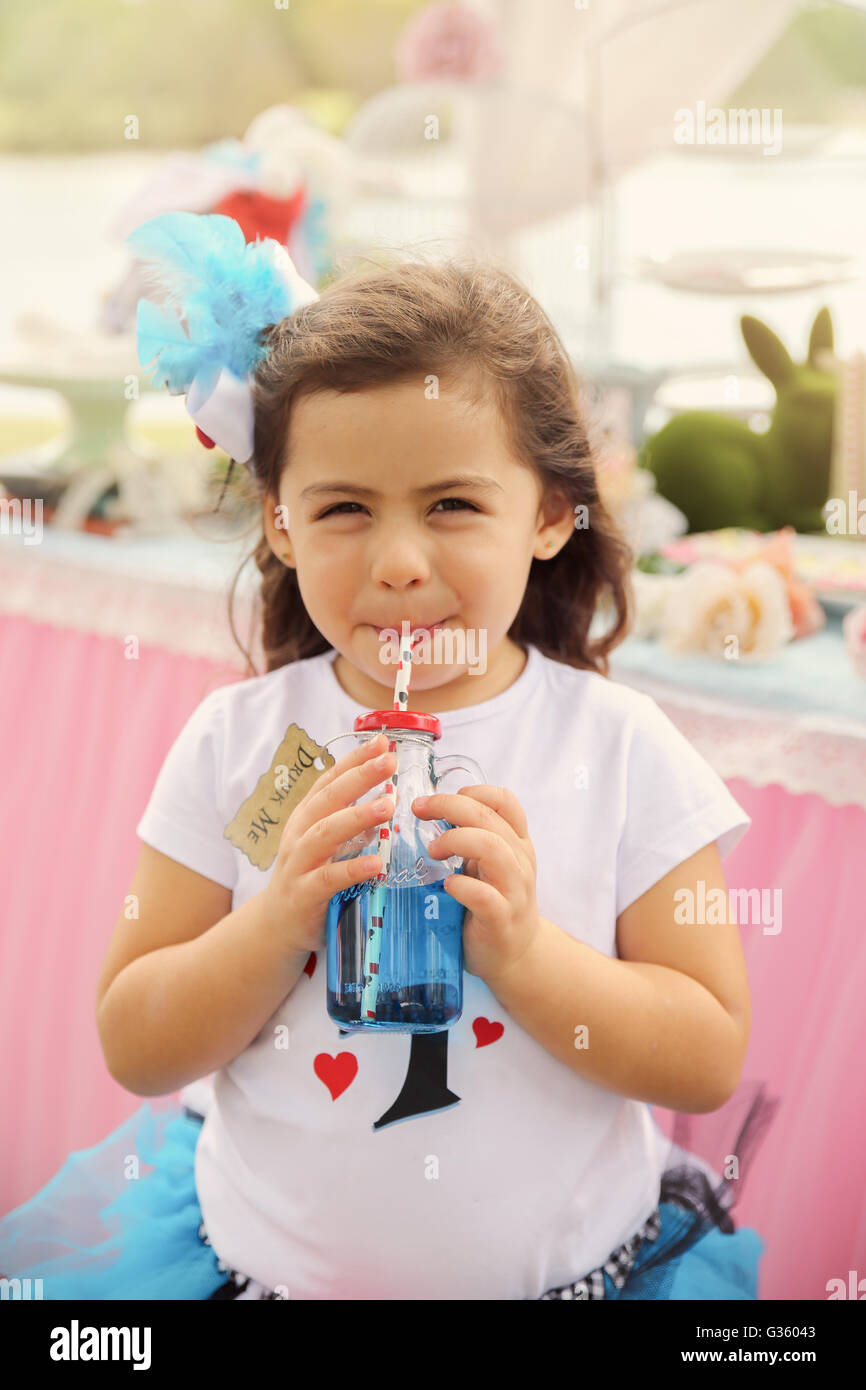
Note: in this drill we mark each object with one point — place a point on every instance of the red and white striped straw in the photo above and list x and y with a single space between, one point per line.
401 701
376 900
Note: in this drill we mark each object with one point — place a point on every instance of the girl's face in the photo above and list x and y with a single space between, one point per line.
380 529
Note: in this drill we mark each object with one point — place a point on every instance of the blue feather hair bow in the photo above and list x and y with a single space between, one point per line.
218 293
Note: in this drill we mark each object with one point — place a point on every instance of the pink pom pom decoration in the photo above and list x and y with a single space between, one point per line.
447 41
854 632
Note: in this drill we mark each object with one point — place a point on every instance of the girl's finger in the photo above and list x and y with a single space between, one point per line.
503 803
342 789
498 865
481 899
324 837
356 756
321 884
462 809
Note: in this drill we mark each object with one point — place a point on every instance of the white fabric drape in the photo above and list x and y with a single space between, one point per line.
655 56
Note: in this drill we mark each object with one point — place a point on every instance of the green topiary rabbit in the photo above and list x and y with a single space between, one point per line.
721 473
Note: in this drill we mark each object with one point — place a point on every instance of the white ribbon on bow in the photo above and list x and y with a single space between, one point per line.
225 414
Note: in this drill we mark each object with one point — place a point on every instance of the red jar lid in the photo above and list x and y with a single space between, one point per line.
399 719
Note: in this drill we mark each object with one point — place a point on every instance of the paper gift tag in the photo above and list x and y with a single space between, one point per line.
258 823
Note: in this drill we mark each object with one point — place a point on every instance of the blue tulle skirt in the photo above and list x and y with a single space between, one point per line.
102 1228
714 1265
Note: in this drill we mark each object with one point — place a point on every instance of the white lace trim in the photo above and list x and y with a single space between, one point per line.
823 754
189 616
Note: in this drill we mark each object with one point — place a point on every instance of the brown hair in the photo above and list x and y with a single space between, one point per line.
475 320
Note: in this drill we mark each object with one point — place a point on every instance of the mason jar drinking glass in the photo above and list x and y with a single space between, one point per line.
395 947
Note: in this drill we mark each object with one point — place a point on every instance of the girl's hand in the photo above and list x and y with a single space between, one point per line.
497 886
304 878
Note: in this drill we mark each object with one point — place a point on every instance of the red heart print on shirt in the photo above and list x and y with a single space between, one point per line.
336 1072
486 1032
310 965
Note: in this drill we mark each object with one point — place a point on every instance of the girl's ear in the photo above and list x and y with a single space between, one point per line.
821 337
269 511
766 350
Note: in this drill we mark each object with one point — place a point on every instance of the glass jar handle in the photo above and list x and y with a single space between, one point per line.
457 763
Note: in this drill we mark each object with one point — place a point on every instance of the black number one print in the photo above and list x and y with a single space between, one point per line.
425 1089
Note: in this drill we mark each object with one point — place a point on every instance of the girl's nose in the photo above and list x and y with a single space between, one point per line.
399 562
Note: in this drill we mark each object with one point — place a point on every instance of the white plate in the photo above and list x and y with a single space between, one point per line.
724 271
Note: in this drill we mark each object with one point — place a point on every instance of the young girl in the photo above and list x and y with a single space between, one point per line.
419 455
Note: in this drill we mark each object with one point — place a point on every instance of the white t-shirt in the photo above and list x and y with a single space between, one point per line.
535 1175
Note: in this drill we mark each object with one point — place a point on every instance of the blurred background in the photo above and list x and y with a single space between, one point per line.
682 185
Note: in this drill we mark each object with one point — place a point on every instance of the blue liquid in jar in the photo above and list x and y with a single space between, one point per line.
420 962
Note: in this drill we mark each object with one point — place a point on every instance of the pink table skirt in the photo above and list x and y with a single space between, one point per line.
86 732
805 1189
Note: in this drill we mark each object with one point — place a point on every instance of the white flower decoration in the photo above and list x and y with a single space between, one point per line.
714 604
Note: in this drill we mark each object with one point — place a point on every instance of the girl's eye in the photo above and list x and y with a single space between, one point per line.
461 502
336 510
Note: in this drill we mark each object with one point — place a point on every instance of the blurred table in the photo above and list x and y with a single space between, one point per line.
170 591
789 738
106 647
110 643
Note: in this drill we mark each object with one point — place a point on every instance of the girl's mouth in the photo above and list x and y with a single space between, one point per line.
419 627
